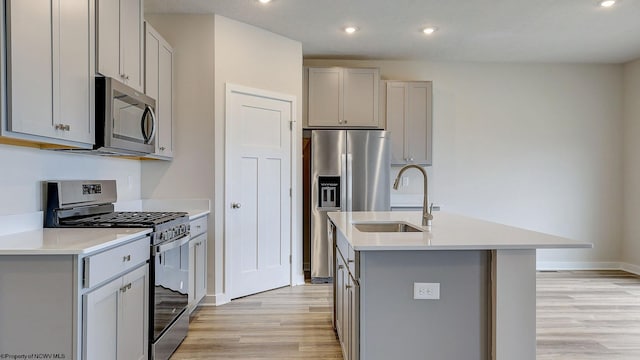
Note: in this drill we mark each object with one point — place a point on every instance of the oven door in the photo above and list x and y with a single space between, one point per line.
171 279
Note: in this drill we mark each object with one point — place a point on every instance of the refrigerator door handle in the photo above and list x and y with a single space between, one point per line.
343 182
349 181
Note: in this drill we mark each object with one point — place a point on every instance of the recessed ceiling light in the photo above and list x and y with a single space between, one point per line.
607 3
429 30
264 1
350 29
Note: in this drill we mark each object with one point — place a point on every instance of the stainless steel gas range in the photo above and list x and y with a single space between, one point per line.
88 204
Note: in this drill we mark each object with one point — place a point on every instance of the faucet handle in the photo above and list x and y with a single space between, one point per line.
430 208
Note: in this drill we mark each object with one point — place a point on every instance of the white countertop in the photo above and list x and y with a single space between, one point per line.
66 241
22 234
448 232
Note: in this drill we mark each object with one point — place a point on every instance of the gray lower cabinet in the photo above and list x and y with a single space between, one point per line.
115 318
347 296
377 318
197 262
76 306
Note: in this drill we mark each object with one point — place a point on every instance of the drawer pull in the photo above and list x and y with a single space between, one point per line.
125 288
198 227
348 286
340 267
351 261
126 258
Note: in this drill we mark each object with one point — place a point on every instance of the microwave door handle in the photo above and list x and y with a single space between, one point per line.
153 123
148 110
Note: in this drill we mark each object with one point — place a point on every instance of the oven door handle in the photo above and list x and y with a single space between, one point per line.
171 245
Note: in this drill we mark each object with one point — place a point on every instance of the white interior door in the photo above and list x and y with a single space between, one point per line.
258 200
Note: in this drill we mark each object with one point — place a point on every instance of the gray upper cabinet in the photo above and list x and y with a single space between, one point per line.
120 39
159 85
343 97
409 119
49 71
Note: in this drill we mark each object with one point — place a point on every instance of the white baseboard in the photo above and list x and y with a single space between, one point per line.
298 279
634 269
215 300
580 265
577 265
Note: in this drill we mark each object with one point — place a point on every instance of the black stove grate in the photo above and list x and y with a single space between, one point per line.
124 219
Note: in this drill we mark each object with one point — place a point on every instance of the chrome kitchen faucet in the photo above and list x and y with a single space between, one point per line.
426 211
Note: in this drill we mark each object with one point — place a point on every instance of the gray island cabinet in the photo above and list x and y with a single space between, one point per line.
74 294
479 278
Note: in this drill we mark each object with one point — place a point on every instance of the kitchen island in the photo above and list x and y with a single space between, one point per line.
461 289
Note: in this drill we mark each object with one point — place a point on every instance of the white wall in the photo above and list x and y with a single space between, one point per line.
190 175
631 253
211 51
531 145
23 169
249 56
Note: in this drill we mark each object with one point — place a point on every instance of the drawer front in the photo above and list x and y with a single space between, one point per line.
107 264
348 254
342 246
352 262
199 226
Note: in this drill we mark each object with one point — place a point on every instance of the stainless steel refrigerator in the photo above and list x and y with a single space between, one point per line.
349 172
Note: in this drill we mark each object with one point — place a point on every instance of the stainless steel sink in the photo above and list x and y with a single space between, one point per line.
386 227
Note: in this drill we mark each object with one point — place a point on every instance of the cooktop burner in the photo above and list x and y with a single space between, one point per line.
123 219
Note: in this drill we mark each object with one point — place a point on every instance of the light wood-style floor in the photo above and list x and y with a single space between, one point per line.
588 315
287 323
582 315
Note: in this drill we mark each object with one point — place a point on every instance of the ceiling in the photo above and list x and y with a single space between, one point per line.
573 31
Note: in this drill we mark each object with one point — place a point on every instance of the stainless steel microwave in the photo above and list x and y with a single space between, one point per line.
125 119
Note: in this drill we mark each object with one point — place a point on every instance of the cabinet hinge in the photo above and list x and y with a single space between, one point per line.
290 125
290 192
290 261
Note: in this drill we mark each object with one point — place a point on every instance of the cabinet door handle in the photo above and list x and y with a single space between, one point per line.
162 148
235 205
348 286
126 258
340 267
126 77
345 121
122 76
351 261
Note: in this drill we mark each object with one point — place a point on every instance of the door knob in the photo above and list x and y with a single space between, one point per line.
235 205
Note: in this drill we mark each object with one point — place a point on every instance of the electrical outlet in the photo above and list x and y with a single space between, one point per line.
429 291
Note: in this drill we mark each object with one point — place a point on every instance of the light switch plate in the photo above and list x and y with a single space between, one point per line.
426 291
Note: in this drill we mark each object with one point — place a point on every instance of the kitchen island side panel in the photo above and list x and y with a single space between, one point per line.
36 306
395 326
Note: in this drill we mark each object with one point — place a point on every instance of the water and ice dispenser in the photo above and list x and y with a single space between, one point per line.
328 192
